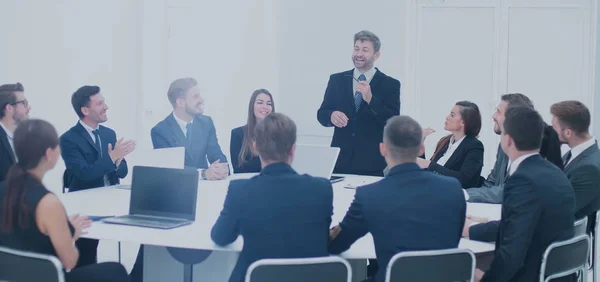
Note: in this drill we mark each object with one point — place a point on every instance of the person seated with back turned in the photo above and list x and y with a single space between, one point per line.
459 154
243 158
33 219
188 127
14 109
392 209
537 206
571 120
279 213
492 187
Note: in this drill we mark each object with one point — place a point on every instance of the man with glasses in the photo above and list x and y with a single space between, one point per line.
14 109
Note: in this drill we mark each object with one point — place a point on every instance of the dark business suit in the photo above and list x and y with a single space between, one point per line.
279 213
465 164
410 209
203 145
7 155
584 173
359 140
252 163
537 211
86 167
492 188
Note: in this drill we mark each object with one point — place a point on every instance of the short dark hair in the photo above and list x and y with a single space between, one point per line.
366 35
573 115
471 117
403 137
517 99
179 88
275 136
8 96
525 126
82 97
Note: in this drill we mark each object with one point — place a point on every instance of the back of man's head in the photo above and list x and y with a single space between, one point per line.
275 137
402 137
572 115
517 99
525 126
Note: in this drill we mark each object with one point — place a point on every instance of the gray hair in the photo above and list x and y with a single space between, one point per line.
366 35
403 136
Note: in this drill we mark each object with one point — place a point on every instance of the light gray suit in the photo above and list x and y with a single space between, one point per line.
493 186
584 174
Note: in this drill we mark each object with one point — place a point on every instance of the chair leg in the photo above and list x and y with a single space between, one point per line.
188 273
119 250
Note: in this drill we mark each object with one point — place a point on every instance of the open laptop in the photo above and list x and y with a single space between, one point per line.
165 157
318 161
161 198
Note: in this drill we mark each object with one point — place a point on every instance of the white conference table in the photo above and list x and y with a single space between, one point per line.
110 201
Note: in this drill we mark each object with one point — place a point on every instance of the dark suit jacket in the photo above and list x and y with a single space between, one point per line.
7 156
465 164
86 166
410 209
584 173
279 213
359 140
550 149
204 144
252 163
537 211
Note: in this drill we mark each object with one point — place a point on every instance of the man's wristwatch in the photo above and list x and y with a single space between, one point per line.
203 174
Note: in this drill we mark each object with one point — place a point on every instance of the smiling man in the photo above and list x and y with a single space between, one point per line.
358 103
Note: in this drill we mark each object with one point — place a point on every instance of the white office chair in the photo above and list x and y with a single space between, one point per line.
445 265
565 258
594 251
581 226
321 269
27 266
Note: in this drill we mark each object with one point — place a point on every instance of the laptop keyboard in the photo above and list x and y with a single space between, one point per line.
149 221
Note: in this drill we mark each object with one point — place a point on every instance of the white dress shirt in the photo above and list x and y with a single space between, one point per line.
9 136
451 148
577 150
515 164
182 124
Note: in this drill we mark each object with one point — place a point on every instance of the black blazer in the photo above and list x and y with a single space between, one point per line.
252 163
410 209
550 149
86 166
584 173
204 144
7 155
465 164
537 210
359 140
279 213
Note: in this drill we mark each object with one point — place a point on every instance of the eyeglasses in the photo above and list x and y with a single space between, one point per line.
24 101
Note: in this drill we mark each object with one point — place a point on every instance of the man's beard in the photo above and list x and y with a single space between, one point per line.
18 119
192 112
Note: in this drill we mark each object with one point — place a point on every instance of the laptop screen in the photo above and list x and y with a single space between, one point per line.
167 192
305 156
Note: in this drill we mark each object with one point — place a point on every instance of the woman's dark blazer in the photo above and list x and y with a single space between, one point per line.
465 164
252 163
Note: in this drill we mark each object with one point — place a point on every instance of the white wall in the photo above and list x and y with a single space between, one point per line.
54 47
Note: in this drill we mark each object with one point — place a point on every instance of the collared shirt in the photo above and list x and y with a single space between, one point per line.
577 150
182 124
368 75
515 164
451 148
9 136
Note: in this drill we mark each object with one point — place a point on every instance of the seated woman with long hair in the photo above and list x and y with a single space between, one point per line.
243 157
460 154
32 218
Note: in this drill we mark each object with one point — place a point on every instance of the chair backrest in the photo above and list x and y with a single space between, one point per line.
565 258
446 265
26 266
322 269
581 226
595 236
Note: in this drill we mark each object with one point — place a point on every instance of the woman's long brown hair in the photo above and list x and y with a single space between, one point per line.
251 124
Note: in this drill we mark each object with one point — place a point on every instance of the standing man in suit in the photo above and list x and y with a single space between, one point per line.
296 220
493 186
14 109
92 154
537 206
358 103
187 127
571 120
392 209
